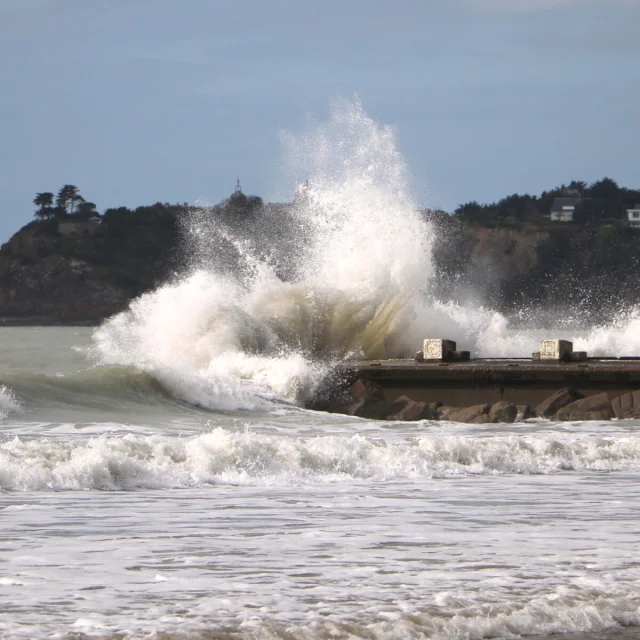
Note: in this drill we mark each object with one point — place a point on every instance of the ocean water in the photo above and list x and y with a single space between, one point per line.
129 513
160 479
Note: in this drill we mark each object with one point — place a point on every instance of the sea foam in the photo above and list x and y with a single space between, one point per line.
8 402
357 254
223 457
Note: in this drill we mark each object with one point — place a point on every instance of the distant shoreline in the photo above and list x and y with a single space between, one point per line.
37 321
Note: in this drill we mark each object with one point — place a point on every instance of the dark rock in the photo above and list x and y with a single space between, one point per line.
434 408
444 411
469 414
503 412
362 389
403 408
418 411
557 401
627 405
524 412
367 408
368 400
398 405
332 394
595 407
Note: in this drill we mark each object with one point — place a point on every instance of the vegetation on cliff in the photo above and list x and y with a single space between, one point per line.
74 264
602 201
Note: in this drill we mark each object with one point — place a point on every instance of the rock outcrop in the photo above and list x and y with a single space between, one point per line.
367 399
405 409
51 278
503 412
557 401
471 414
627 405
595 407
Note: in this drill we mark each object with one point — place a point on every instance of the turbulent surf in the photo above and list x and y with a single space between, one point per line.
159 478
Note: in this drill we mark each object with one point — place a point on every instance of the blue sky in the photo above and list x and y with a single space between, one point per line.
138 101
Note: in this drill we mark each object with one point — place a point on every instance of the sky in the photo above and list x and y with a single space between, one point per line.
139 101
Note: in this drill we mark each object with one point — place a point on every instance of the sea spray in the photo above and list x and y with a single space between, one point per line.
267 303
235 338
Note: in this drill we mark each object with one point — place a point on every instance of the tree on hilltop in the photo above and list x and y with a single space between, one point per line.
578 185
86 209
44 202
605 189
68 197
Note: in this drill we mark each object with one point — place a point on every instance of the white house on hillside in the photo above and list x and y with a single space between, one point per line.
562 209
634 216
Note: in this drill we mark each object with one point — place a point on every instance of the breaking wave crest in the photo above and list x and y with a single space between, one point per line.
343 272
223 457
333 277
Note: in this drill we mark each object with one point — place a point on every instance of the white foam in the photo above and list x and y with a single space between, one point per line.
136 461
362 254
358 257
8 402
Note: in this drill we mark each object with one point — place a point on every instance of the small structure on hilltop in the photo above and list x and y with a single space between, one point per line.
238 205
633 215
73 228
237 194
563 209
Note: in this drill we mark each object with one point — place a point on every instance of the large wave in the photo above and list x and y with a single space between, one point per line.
344 272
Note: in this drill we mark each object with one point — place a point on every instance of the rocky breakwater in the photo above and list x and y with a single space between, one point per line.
366 399
444 384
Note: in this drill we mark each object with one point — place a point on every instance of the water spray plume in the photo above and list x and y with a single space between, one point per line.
359 250
269 302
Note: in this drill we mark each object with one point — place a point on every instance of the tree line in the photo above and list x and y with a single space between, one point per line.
601 201
67 202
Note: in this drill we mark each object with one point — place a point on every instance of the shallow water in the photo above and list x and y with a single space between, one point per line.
127 512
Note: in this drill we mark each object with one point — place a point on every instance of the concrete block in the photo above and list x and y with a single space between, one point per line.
555 349
578 356
437 349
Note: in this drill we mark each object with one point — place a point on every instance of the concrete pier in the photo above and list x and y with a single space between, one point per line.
441 383
489 380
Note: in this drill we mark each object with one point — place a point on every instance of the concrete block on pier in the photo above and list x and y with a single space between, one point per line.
555 350
438 349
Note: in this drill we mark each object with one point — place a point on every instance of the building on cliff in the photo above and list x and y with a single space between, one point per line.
562 209
633 215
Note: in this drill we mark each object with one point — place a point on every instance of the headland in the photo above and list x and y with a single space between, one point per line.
573 246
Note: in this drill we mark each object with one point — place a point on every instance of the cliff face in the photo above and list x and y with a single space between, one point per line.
588 268
57 289
48 277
